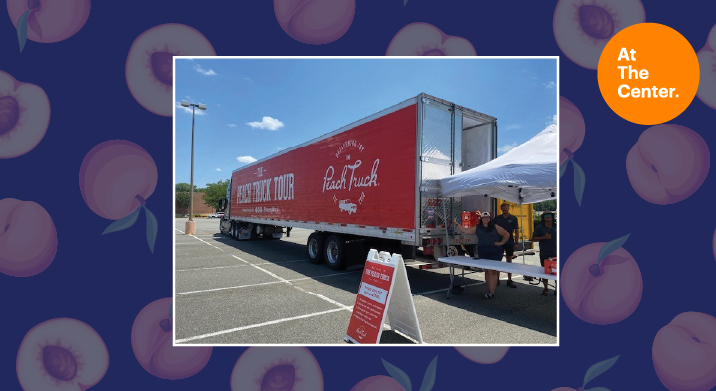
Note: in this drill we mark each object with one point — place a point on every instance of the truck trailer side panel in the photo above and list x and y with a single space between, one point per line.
361 177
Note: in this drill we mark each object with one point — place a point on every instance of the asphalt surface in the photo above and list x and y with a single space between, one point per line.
230 292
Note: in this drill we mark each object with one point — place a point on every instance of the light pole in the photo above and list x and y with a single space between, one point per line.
190 228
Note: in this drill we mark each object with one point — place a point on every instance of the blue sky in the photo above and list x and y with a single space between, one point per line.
256 107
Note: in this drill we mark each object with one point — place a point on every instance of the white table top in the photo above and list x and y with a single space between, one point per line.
514 267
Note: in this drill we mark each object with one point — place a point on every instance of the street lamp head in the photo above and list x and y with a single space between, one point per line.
185 103
202 106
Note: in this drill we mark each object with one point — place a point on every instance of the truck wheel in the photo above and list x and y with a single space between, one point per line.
407 252
453 251
335 252
315 246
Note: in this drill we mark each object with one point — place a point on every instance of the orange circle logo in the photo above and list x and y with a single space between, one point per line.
648 73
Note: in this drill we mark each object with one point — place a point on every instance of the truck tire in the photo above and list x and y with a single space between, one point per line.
454 251
407 252
315 248
335 252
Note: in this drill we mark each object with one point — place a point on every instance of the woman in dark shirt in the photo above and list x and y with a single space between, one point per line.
490 239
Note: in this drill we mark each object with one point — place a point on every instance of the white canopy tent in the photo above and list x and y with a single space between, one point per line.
525 175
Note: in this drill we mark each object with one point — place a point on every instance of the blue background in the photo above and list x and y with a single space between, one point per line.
105 281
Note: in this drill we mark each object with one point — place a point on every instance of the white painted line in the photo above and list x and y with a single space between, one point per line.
345 307
182 232
263 270
257 325
223 267
203 241
260 284
230 287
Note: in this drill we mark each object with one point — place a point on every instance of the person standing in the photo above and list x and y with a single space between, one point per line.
490 239
546 235
509 223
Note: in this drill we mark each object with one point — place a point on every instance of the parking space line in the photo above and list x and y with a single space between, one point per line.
272 322
262 283
345 307
182 232
224 267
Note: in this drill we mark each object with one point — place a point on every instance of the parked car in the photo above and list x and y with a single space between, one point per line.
217 215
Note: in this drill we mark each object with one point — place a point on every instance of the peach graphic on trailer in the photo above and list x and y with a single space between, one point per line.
601 283
571 136
150 64
47 20
61 354
116 178
422 39
28 239
277 368
684 352
668 164
707 65
483 355
315 22
24 116
593 371
152 344
583 27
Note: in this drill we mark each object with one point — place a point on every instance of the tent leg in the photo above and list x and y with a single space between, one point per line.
445 221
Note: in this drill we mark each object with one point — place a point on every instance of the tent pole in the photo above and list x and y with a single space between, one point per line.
445 221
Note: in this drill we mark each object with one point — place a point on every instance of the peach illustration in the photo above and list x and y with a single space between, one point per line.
378 383
668 164
116 178
601 283
593 371
571 129
277 368
28 239
684 352
583 27
422 39
61 354
48 20
24 116
707 65
152 344
150 66
483 355
315 22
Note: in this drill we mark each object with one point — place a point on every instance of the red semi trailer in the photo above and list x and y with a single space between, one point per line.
371 184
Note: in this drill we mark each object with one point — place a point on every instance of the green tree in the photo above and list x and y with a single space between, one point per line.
214 193
183 187
182 199
550 205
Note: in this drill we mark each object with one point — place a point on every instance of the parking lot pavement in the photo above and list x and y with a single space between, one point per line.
266 292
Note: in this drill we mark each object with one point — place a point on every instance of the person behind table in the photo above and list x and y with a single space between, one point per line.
490 239
509 223
546 235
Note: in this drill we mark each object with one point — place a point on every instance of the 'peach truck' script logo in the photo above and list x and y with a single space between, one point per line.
349 178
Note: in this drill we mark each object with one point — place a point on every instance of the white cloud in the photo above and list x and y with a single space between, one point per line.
232 125
267 123
218 169
551 121
280 148
203 71
551 84
188 109
512 127
246 159
246 78
506 148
